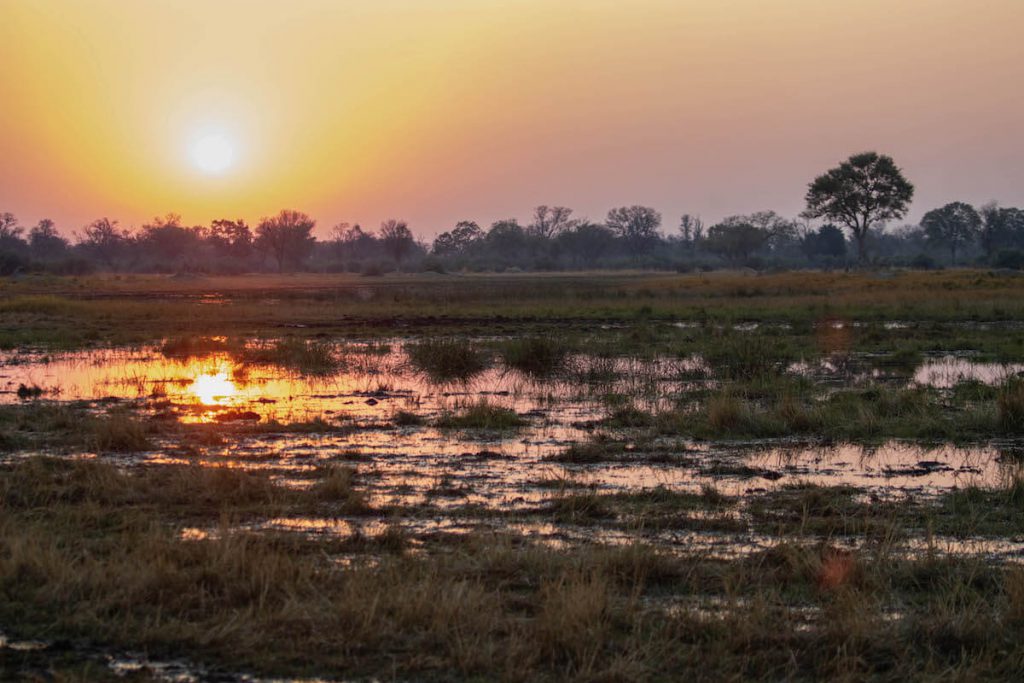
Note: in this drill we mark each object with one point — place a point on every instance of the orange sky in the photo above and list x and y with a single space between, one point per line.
449 109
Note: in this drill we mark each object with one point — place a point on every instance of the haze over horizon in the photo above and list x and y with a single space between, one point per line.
454 109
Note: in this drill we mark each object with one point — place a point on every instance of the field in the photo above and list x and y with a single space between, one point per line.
594 477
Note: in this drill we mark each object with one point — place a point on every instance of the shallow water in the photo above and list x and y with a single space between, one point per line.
948 371
439 480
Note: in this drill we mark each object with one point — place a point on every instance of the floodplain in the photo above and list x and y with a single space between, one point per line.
601 477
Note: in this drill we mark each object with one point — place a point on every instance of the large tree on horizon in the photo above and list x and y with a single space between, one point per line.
861 192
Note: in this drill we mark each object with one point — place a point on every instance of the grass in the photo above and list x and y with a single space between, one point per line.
74 312
405 418
1010 405
748 356
336 484
191 346
869 414
534 355
85 542
306 356
47 425
482 415
448 358
179 561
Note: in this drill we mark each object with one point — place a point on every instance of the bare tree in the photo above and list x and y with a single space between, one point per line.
103 238
549 221
9 228
691 230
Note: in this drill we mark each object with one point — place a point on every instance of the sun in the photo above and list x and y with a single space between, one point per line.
213 153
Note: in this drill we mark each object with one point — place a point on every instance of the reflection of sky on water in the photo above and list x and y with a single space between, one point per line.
438 472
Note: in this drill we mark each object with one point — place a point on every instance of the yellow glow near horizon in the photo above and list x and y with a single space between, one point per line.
450 109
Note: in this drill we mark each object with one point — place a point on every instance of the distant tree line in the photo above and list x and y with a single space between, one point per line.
844 225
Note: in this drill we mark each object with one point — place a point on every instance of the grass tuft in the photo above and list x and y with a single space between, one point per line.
536 356
447 358
482 415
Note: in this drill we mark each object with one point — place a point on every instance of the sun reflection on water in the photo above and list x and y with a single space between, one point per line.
213 389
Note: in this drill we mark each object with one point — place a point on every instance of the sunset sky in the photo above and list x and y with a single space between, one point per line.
480 109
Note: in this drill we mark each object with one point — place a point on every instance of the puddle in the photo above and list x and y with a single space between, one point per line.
948 371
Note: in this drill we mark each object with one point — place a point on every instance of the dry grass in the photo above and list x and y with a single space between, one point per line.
94 553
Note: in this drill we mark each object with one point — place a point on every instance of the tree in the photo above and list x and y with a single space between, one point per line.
231 238
458 240
45 242
736 238
506 238
9 228
956 224
353 242
827 241
586 242
636 226
288 237
1001 228
865 190
167 241
397 239
779 231
103 239
691 230
550 221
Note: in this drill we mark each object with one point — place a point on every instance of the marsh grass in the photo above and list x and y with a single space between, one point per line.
336 484
448 358
406 418
747 356
1010 405
192 346
481 415
120 432
862 415
536 356
84 541
310 357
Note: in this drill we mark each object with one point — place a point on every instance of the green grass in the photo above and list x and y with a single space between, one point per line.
74 312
